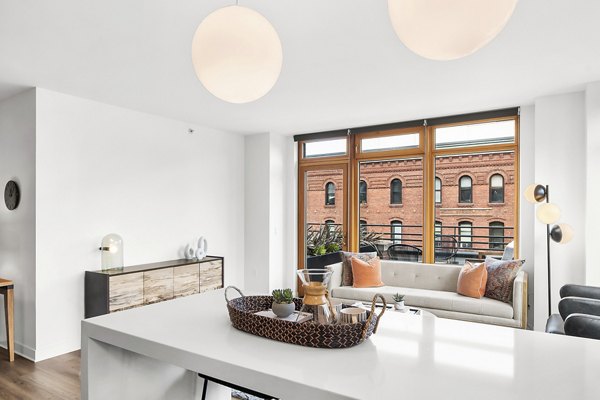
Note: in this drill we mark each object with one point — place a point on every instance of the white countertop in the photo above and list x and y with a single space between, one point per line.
410 357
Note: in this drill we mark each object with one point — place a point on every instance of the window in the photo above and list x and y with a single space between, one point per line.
438 190
325 148
362 192
442 186
465 234
497 189
396 231
437 232
363 227
387 143
396 191
465 192
331 225
330 194
438 228
496 236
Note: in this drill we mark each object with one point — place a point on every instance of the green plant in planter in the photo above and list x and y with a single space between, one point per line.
326 239
283 302
398 297
283 296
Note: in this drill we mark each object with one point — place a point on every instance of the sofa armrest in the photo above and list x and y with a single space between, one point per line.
336 275
571 290
520 299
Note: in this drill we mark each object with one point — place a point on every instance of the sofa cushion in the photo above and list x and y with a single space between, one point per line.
501 275
366 273
347 264
472 280
421 276
431 299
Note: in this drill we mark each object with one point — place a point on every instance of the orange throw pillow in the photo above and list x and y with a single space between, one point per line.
366 273
472 280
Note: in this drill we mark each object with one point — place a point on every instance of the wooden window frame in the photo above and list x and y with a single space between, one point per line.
426 150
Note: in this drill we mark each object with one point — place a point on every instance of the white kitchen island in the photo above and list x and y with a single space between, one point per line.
156 351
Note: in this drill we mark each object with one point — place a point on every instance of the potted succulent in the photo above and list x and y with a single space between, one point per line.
283 302
399 301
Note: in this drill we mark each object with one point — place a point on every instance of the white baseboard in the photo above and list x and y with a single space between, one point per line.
22 350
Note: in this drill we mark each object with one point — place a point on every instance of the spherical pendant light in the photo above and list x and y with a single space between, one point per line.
237 54
448 29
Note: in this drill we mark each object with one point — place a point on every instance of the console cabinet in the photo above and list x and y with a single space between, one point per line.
122 288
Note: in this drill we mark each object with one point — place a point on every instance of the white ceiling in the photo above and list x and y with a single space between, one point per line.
343 64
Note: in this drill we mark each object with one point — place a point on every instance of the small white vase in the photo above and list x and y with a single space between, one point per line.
399 306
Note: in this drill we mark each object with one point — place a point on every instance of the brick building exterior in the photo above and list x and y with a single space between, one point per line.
379 213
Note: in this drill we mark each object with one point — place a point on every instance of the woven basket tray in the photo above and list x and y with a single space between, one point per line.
311 334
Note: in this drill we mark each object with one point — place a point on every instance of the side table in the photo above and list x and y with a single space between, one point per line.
6 289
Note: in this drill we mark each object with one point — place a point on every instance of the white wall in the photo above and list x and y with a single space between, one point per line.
256 214
17 227
527 210
269 212
560 140
103 169
592 211
282 245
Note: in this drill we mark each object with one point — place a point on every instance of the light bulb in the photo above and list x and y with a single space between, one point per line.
535 193
237 54
447 30
548 213
562 233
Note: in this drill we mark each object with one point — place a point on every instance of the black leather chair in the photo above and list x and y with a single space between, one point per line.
579 312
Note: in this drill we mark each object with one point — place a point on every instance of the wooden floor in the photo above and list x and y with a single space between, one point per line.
53 379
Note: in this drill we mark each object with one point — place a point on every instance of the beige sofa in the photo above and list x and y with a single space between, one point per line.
432 287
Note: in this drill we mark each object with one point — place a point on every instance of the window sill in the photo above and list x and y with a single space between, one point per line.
496 204
465 204
396 205
329 205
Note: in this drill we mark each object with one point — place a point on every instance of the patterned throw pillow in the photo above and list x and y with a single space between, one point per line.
501 275
347 264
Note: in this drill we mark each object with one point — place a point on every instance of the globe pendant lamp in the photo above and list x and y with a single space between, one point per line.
237 54
448 29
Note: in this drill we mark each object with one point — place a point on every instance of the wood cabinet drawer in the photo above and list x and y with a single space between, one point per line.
158 285
186 280
126 291
211 275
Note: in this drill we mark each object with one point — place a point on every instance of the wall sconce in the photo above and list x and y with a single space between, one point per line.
112 251
548 214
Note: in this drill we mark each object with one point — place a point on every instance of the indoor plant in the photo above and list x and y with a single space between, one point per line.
399 301
283 302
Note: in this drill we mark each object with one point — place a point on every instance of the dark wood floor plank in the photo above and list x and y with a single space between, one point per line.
53 379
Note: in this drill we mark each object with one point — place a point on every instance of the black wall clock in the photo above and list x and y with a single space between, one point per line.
12 195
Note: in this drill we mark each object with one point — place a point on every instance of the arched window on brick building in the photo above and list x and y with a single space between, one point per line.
496 235
438 190
396 191
497 189
362 192
396 231
465 229
330 194
465 192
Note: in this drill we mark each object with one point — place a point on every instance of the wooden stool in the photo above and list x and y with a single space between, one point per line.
6 289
